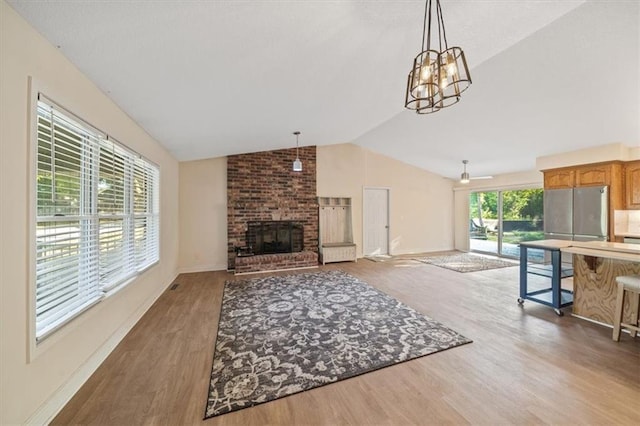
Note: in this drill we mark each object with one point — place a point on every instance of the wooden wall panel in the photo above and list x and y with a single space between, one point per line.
595 287
333 224
632 185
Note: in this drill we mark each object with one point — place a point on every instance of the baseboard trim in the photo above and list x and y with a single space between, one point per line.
54 404
592 320
276 270
203 268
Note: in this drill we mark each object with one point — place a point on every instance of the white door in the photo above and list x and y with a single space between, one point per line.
376 221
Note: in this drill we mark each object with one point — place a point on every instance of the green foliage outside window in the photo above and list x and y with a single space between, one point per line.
516 205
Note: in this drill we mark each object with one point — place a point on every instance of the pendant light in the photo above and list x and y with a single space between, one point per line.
297 164
464 176
437 77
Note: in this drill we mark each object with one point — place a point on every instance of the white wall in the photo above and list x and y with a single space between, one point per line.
421 212
203 215
421 203
33 390
597 154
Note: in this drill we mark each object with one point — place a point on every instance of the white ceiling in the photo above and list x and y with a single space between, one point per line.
213 78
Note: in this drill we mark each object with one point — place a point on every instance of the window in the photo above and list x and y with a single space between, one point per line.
97 221
500 220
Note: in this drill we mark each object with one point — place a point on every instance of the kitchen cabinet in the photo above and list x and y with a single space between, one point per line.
590 175
632 185
559 179
598 174
585 175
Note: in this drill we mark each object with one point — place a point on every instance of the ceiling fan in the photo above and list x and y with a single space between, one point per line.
464 176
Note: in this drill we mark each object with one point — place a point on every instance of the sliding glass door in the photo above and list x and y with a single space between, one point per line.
483 222
500 220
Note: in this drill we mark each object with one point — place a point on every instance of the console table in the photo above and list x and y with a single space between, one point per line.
553 296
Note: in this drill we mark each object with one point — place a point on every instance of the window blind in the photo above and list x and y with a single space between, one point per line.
97 216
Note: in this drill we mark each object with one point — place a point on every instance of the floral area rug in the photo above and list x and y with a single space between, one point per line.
282 335
466 262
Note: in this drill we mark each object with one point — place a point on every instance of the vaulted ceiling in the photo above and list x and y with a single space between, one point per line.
212 78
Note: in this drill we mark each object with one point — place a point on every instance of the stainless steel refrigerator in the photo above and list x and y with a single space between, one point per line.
580 214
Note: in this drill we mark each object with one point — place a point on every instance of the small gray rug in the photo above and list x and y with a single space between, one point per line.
466 262
278 336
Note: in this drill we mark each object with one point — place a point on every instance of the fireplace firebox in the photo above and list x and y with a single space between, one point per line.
281 236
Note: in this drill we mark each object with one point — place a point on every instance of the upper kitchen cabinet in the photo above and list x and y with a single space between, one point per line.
591 175
559 178
586 175
609 174
632 185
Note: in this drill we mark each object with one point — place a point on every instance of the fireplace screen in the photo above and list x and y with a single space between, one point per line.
275 237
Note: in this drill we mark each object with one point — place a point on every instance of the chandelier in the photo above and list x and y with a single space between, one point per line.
437 77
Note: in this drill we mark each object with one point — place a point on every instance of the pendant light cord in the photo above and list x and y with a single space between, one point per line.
441 23
426 30
426 27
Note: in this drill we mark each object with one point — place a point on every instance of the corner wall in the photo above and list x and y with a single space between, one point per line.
421 203
203 213
32 391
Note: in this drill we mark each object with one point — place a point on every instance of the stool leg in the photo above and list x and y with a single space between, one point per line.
617 315
636 316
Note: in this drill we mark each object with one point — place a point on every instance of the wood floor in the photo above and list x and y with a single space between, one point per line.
525 366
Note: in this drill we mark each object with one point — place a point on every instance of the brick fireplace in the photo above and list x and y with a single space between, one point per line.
262 187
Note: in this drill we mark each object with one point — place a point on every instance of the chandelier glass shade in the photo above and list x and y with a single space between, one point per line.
437 77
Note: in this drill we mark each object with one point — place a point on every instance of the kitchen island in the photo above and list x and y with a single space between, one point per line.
596 264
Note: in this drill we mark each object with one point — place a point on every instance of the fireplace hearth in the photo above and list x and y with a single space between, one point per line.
270 237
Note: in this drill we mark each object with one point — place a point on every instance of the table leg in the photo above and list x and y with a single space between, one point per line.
556 272
523 274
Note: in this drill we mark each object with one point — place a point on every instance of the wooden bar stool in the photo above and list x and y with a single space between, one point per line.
631 285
